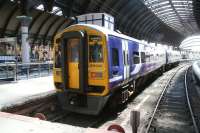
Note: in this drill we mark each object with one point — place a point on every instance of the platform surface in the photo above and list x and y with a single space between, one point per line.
24 90
11 123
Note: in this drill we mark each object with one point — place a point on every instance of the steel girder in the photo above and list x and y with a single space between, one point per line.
115 5
148 21
58 27
49 28
196 11
129 13
138 20
8 19
133 19
131 16
40 27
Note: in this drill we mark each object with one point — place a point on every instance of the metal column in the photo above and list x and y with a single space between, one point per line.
25 20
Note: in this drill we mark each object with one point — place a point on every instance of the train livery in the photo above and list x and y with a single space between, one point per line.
94 65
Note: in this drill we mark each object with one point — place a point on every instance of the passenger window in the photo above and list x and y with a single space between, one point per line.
152 58
142 57
147 58
95 53
157 56
136 58
115 57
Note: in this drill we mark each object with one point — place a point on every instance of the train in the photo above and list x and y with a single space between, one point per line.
95 66
196 71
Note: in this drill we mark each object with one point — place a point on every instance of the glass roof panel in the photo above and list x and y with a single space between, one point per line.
177 14
166 10
56 10
59 13
40 7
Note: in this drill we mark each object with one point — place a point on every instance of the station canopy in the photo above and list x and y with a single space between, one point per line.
162 21
182 16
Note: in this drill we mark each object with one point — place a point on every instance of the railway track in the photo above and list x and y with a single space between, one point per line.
194 96
44 104
173 112
82 120
48 106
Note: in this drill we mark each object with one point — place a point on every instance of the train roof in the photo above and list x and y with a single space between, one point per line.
110 32
114 33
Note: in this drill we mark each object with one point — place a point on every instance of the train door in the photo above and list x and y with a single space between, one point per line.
125 59
73 62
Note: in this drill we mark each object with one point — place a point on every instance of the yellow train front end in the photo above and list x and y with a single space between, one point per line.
80 69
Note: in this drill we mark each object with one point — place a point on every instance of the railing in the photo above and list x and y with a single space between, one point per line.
18 71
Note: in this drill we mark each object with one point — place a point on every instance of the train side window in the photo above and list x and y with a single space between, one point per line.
147 57
96 53
115 57
157 57
136 58
151 58
143 57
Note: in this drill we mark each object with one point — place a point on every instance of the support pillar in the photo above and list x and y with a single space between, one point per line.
25 20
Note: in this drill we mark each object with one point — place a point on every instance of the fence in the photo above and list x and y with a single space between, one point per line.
13 71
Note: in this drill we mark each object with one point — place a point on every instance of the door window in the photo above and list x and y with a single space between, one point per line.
73 49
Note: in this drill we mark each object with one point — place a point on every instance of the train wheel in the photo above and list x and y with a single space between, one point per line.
116 128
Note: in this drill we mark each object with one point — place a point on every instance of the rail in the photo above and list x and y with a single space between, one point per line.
189 104
18 71
159 100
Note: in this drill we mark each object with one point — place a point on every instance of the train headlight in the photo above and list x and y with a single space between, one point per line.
58 85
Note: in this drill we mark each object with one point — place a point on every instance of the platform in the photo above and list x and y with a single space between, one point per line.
15 93
11 123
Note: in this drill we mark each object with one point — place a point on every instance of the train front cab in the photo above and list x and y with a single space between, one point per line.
82 79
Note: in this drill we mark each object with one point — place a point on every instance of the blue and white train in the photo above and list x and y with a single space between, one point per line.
94 66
